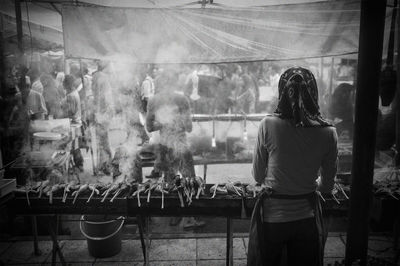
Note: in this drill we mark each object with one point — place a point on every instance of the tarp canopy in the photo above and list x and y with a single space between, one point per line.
41 27
253 29
196 35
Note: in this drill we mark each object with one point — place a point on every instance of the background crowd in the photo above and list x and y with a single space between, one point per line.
94 92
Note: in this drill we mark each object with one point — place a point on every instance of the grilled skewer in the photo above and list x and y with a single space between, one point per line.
231 188
200 186
112 188
76 193
118 191
94 189
341 190
179 189
71 185
140 188
42 186
53 189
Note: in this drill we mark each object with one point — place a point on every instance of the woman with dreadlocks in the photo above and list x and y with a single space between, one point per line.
294 146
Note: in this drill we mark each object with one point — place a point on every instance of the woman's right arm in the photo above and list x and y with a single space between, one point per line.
260 156
329 165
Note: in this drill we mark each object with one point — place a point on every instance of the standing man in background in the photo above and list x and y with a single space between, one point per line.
169 112
147 89
103 110
71 106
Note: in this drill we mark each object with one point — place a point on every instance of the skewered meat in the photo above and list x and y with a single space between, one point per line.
76 193
200 186
230 187
390 186
140 188
94 189
161 188
43 185
253 189
151 187
111 189
184 186
72 185
121 188
218 188
340 188
53 189
334 192
192 187
179 188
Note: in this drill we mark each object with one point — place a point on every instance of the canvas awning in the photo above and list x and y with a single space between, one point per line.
196 35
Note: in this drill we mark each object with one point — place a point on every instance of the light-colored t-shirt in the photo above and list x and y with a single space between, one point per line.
35 103
148 88
37 86
289 159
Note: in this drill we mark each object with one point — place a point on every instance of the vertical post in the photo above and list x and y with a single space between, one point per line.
372 22
18 18
396 100
2 63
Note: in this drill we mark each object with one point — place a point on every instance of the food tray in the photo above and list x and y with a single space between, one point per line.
49 136
7 186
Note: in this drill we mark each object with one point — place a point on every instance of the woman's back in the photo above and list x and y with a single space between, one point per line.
296 155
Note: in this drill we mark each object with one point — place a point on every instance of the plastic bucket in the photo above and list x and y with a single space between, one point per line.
103 236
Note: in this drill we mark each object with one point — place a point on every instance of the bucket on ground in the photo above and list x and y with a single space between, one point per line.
103 235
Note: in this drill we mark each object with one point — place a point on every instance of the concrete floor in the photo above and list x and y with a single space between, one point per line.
184 251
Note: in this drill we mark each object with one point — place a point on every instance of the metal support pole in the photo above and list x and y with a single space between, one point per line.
2 61
18 18
229 242
372 22
142 240
396 99
36 249
56 248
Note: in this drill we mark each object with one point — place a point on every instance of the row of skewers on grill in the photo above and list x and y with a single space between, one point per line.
187 188
390 185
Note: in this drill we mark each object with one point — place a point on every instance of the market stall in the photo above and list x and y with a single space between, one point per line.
204 36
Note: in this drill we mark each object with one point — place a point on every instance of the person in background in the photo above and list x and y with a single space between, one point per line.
15 117
291 148
34 77
246 97
102 111
71 106
148 89
169 112
51 96
341 108
59 83
32 101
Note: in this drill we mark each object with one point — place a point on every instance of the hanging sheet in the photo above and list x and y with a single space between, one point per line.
179 35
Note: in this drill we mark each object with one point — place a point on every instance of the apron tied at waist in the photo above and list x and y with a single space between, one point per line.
257 245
